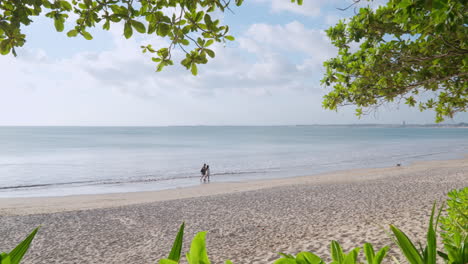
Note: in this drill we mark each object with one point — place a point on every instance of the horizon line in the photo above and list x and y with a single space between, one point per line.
240 125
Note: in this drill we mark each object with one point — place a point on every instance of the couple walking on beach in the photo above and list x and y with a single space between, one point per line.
205 173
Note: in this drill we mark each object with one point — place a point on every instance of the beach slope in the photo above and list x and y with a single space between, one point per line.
247 222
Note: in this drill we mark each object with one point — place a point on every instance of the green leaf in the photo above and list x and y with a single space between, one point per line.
160 66
106 25
207 20
59 26
210 53
351 257
177 246
194 69
228 262
5 47
369 253
128 32
138 26
86 35
406 246
231 38
5 259
336 252
18 252
197 253
65 5
209 42
381 255
72 33
163 29
308 258
431 240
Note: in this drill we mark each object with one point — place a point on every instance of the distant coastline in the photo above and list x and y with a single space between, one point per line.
444 125
457 125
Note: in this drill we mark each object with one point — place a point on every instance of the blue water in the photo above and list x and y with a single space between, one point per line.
51 161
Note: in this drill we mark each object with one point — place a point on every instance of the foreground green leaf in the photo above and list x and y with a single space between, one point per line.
177 245
18 252
197 253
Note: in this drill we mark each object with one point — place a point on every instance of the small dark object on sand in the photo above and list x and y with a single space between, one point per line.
398 164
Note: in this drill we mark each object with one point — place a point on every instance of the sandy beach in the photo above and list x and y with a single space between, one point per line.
247 222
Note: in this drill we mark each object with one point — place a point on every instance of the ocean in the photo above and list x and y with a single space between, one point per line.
58 161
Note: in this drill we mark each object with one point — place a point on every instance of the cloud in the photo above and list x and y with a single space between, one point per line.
310 47
308 8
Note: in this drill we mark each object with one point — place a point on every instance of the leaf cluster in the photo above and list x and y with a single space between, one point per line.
414 51
187 24
338 256
454 226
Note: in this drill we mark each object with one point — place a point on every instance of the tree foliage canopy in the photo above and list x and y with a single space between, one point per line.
415 50
188 24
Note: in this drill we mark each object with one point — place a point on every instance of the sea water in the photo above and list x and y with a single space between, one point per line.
56 161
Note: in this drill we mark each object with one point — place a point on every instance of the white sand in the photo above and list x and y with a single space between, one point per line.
248 222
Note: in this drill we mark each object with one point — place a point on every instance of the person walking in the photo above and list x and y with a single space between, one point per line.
207 173
203 172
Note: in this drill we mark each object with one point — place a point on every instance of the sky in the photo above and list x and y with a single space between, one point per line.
270 75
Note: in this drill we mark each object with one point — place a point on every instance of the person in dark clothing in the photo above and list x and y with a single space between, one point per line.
203 171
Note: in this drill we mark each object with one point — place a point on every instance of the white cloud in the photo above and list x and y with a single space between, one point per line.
311 46
308 8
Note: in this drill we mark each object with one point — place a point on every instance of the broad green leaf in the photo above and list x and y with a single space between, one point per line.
72 33
86 35
163 29
106 25
231 38
308 258
369 253
209 42
5 47
194 69
65 5
59 26
197 253
406 246
138 26
210 53
5 259
431 240
336 252
177 245
228 262
381 255
351 257
18 252
128 31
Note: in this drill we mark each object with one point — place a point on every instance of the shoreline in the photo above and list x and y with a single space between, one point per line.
54 204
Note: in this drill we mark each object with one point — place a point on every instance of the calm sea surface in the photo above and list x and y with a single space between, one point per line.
51 161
